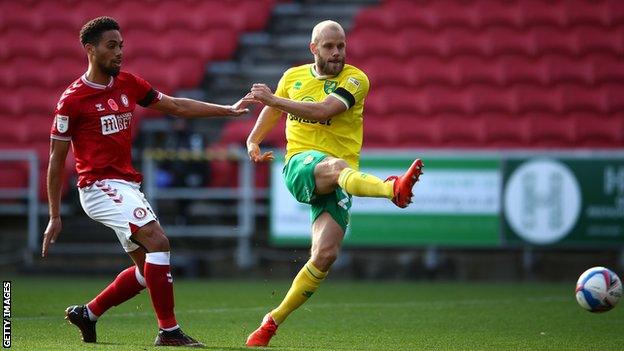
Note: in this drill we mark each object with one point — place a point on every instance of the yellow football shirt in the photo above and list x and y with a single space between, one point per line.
340 136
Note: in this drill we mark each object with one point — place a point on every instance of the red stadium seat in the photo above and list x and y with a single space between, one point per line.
576 12
498 13
502 130
536 13
444 100
614 94
187 71
20 43
521 69
607 68
600 40
422 70
462 42
576 98
13 176
460 131
65 70
18 131
376 17
380 131
61 43
416 41
141 42
37 100
449 13
531 98
276 136
11 103
31 72
566 69
156 71
369 42
615 11
599 131
39 127
136 14
57 15
550 131
413 130
506 41
383 71
483 99
235 132
476 70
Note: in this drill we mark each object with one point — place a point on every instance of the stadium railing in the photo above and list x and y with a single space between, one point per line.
29 193
245 195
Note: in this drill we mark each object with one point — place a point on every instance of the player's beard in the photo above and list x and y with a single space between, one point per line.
329 68
110 70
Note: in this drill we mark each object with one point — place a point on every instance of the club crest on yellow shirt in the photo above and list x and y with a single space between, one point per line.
330 86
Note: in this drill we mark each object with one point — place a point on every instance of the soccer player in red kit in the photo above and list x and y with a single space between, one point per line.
95 115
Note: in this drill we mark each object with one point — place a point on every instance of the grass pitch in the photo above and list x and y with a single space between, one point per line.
340 316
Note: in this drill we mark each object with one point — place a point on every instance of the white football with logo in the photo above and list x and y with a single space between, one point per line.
598 289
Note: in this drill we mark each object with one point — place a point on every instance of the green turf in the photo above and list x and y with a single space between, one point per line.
340 316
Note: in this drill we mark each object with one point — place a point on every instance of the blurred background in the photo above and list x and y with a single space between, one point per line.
516 108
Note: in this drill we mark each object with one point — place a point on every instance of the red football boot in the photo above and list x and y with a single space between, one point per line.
264 333
403 185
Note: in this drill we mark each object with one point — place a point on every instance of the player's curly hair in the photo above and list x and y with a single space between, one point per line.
91 33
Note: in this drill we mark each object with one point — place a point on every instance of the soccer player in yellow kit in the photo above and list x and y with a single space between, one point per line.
324 102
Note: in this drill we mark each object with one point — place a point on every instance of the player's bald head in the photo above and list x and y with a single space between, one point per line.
324 29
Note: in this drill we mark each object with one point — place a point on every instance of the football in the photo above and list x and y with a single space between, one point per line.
598 289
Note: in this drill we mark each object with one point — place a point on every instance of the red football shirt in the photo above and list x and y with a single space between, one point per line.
98 121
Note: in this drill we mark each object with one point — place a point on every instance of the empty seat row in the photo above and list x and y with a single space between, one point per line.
166 74
393 15
494 130
519 99
214 44
501 70
245 15
534 41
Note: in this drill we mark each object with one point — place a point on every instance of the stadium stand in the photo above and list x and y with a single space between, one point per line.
167 42
515 74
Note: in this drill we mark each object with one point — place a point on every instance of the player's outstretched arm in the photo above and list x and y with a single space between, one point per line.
189 108
318 111
56 167
266 121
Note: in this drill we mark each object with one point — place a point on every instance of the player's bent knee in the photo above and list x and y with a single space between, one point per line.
323 259
152 238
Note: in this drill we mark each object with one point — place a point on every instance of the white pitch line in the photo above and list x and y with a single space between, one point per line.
436 304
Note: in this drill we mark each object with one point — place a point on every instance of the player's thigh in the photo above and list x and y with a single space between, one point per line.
298 175
327 234
330 218
326 174
117 205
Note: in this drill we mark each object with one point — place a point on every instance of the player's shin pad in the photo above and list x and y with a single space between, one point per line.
363 184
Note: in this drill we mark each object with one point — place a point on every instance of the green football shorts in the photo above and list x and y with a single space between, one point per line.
299 177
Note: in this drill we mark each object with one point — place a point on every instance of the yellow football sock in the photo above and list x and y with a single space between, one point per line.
363 184
305 284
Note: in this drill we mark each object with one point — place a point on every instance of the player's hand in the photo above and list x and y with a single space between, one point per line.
241 107
51 233
253 150
262 93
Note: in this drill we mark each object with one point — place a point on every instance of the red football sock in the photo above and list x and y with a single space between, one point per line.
160 286
123 288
